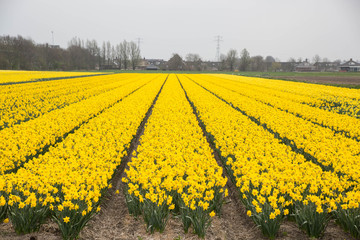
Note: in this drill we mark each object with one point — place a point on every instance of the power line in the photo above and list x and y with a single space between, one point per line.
139 40
218 39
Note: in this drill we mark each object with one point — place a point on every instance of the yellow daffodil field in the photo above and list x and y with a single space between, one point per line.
8 77
290 151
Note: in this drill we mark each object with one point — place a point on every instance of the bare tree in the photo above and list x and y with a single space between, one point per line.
134 54
290 65
176 63
269 59
275 66
75 41
77 53
20 53
118 55
291 59
316 58
193 62
268 62
103 53
231 59
222 66
113 55
108 52
93 53
257 63
244 60
124 50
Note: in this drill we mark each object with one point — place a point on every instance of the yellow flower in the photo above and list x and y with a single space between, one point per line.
286 212
21 205
60 208
83 213
272 215
277 211
205 205
319 209
98 209
344 206
258 209
117 191
66 219
212 214
6 220
2 201
169 200
248 213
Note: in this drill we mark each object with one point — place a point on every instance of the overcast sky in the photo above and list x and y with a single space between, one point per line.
280 28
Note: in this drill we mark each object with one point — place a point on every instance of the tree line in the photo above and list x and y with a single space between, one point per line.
232 61
21 53
229 62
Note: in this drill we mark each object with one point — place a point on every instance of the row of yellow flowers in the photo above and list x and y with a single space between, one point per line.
27 101
7 76
273 180
265 94
339 100
174 168
68 182
333 151
24 140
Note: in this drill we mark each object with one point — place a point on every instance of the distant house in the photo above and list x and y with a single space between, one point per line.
156 64
327 66
142 64
350 66
305 67
152 67
210 66
287 66
151 64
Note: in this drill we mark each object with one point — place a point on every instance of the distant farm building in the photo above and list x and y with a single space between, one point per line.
156 64
305 67
350 66
142 64
327 66
150 64
152 67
